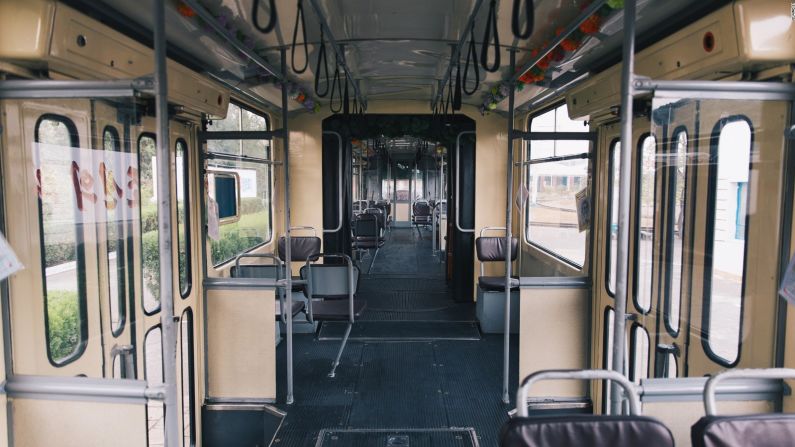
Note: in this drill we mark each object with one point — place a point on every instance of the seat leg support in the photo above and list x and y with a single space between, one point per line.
336 363
372 261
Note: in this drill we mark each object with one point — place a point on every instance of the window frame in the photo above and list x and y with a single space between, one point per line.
633 373
184 289
607 355
205 170
121 255
188 312
527 152
638 220
159 307
670 222
612 148
709 238
80 264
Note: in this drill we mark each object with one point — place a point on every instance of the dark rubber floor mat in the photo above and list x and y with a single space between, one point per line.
451 437
374 331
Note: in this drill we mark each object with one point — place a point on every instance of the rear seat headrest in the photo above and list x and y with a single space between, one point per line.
302 247
493 248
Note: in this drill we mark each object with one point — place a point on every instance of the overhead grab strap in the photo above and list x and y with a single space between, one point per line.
472 58
491 27
321 58
336 86
255 16
457 91
299 18
529 19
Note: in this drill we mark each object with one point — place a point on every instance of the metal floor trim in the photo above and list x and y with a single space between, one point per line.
473 437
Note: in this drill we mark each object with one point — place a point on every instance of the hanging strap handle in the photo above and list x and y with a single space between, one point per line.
336 86
491 27
457 91
255 16
321 58
529 13
472 58
299 18
346 101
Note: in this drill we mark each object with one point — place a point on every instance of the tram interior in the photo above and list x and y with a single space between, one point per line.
417 223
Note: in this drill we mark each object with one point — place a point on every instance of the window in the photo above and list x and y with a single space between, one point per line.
59 178
186 351
677 178
639 348
182 179
553 181
645 224
153 370
724 270
613 172
248 161
116 257
150 249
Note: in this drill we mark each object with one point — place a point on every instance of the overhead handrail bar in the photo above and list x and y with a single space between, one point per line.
458 182
587 374
715 89
340 55
245 158
45 88
584 15
339 186
583 156
219 29
710 407
241 134
564 136
457 51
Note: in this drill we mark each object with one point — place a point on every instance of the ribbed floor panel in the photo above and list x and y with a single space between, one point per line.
375 331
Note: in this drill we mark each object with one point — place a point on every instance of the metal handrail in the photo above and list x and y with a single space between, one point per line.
577 374
710 407
339 188
458 182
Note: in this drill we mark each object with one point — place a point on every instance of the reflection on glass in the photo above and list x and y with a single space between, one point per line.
62 246
115 245
153 352
613 181
238 119
552 206
645 223
729 175
150 251
678 180
183 225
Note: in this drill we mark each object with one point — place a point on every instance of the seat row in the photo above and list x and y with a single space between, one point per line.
634 429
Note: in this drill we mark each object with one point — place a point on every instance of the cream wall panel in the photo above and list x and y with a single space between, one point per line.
77 424
241 345
553 334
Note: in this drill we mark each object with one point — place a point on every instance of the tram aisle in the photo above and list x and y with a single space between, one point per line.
408 365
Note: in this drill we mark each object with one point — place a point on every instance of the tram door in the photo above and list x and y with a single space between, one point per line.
736 233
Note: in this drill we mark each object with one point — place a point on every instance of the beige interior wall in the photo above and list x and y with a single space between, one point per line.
44 423
553 334
241 345
680 416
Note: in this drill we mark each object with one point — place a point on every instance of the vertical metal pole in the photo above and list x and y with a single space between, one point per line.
624 186
508 222
288 271
164 225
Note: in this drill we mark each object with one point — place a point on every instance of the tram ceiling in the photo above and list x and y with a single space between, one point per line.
394 50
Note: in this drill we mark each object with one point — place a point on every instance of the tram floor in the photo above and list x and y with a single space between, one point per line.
396 385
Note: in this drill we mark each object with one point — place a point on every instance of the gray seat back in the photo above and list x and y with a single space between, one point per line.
492 248
302 247
257 271
330 281
366 226
421 209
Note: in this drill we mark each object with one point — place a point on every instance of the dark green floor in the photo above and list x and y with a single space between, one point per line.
392 384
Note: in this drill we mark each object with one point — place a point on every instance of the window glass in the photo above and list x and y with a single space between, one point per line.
552 205
645 223
673 366
609 321
676 228
186 355
150 250
115 243
58 177
730 161
640 354
153 365
612 224
183 216
250 224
